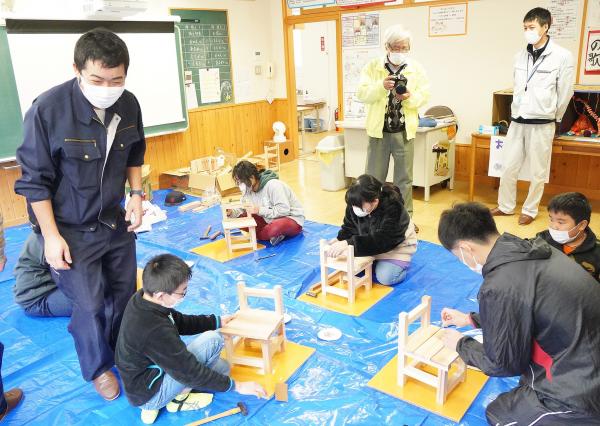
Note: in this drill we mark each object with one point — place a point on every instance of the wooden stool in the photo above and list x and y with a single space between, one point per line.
345 271
256 325
424 347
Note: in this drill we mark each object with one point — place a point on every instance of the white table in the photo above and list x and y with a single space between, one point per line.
425 159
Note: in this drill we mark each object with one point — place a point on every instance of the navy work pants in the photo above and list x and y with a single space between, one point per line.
99 284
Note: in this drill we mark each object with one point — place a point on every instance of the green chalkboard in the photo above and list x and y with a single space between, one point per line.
11 128
206 54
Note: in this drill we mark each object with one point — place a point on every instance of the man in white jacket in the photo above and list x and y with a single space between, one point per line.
543 86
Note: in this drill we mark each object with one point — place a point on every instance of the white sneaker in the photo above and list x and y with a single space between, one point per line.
149 416
189 401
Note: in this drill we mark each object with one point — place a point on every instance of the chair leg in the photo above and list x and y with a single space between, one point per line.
227 233
442 387
229 348
267 355
351 287
253 238
401 366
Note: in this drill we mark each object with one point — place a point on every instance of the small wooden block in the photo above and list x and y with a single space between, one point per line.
200 209
281 392
215 235
208 228
189 206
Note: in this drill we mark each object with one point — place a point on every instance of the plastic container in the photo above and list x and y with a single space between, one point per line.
330 151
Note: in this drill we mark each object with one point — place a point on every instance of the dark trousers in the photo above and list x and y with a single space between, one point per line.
99 284
3 405
521 406
53 304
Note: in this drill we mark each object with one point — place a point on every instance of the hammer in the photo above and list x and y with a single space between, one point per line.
241 408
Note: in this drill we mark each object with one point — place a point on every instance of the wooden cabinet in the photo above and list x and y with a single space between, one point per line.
13 206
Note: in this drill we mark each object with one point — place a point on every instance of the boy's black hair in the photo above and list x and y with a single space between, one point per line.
164 273
243 170
573 204
539 14
101 45
466 221
367 188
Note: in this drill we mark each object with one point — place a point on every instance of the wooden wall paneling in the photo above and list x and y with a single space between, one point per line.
13 206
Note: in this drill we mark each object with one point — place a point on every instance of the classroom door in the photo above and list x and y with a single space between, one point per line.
315 61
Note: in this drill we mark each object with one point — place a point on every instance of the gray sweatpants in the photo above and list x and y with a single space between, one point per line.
378 161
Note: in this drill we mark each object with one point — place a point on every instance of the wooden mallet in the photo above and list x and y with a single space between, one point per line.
241 408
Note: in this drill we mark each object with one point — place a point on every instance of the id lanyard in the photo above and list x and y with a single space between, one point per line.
533 70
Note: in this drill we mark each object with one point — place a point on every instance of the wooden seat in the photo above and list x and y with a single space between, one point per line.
343 281
256 325
424 347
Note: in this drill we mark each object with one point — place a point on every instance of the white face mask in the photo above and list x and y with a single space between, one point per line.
562 237
359 212
100 96
397 58
478 266
242 187
532 36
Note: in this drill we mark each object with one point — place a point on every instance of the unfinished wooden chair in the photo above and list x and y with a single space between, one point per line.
424 347
265 328
343 281
270 158
245 240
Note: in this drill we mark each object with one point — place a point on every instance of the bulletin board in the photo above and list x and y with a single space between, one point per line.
206 54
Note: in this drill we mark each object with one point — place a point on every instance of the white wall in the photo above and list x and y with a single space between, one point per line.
254 26
317 77
464 71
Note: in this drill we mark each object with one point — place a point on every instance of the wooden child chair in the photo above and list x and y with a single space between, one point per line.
345 268
229 224
424 347
256 325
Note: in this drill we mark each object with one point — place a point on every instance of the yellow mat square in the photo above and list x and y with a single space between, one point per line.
422 395
284 365
217 250
364 300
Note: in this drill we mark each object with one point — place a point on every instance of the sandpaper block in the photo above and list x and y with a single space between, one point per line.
281 392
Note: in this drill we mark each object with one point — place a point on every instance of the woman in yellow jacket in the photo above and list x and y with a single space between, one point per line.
393 88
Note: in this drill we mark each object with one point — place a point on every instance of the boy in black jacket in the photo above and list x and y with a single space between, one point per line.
539 315
570 231
156 367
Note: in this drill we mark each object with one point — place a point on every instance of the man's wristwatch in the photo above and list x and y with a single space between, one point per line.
136 192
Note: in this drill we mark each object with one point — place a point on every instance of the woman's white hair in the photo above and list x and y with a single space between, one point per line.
396 33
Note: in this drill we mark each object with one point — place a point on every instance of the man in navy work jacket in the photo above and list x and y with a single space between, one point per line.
82 139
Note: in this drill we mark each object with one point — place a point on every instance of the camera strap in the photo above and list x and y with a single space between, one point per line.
394 73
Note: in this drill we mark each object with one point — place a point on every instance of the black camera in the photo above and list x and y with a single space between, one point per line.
400 84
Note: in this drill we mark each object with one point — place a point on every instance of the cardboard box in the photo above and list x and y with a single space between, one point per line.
146 184
199 183
177 178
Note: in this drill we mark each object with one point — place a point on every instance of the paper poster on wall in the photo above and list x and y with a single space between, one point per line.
210 85
592 19
190 95
592 55
448 20
360 30
294 4
353 61
496 164
359 2
564 19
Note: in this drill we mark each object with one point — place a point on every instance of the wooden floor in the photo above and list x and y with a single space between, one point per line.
328 207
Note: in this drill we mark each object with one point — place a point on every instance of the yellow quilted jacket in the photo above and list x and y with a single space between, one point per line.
372 93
